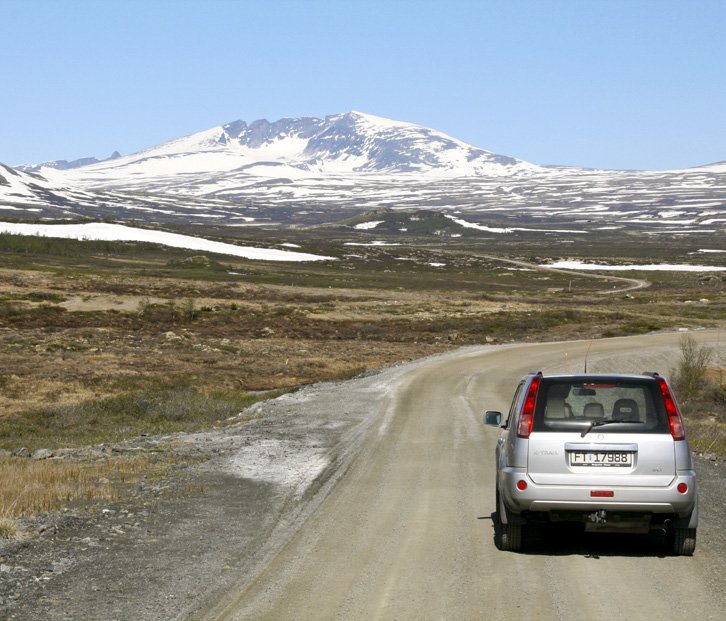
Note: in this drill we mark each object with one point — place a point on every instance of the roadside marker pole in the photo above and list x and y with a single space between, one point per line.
718 355
588 352
565 362
720 366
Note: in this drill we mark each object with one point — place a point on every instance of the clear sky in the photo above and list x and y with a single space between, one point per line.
593 83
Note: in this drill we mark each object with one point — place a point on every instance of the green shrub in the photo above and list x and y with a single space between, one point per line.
689 376
150 411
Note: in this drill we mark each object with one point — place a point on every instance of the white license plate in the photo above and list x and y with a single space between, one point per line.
601 458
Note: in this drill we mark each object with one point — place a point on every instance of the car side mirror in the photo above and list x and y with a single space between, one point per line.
493 418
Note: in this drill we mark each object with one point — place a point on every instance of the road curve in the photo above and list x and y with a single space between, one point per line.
407 531
631 283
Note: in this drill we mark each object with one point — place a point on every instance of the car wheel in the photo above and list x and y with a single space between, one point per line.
682 541
510 537
507 536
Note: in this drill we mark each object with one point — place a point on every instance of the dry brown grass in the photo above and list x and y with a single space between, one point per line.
10 529
29 487
706 438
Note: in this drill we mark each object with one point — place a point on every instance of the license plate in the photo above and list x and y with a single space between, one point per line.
601 458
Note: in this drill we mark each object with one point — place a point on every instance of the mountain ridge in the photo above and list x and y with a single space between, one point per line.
350 143
310 171
65 164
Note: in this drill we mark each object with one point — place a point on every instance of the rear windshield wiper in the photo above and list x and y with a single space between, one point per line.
600 423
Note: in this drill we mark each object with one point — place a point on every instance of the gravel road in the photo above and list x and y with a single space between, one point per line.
368 499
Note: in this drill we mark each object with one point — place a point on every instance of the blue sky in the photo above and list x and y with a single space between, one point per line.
594 83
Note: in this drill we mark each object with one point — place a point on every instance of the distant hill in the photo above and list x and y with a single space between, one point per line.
65 164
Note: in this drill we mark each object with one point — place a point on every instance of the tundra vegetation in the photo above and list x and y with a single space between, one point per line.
105 341
702 395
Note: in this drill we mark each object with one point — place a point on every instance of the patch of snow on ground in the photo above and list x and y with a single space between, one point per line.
368 225
579 265
118 232
479 227
375 243
489 229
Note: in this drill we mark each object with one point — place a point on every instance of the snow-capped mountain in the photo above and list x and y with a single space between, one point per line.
220 158
31 188
309 170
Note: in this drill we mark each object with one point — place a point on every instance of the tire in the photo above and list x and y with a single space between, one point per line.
507 536
510 537
682 541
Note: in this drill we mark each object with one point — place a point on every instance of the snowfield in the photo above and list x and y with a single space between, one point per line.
118 232
665 267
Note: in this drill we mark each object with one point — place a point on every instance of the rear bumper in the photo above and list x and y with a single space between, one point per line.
577 498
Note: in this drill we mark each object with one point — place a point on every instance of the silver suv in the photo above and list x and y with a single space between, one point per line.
609 451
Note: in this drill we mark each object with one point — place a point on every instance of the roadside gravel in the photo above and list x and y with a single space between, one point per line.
189 536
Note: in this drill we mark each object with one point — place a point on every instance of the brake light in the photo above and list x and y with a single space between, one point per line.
525 420
674 416
599 494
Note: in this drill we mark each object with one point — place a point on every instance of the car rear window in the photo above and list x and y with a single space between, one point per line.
620 405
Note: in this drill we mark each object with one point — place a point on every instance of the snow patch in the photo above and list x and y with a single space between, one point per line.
368 225
374 243
118 232
579 265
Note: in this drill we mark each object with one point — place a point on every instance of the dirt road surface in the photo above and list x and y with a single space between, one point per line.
373 499
408 532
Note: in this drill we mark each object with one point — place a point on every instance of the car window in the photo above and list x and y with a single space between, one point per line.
513 407
631 405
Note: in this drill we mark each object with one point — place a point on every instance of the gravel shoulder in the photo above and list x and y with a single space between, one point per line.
187 541
207 527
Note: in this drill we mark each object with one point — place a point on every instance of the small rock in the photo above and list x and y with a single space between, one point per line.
42 454
22 452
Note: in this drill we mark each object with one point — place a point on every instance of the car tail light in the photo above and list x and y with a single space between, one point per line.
682 488
674 416
521 485
525 420
601 494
